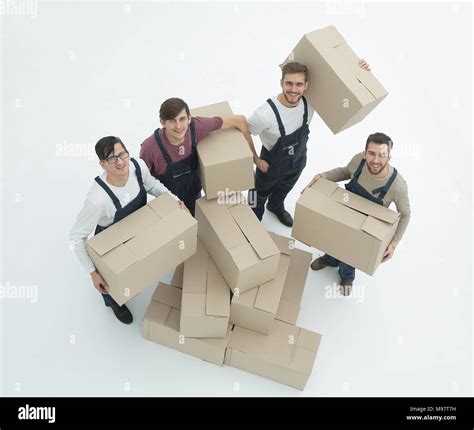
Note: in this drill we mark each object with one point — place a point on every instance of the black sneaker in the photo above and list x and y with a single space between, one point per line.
122 313
284 217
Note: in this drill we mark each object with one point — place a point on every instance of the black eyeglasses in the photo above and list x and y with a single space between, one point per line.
113 159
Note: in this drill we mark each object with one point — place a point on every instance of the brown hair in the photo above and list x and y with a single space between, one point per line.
379 139
171 108
294 67
105 146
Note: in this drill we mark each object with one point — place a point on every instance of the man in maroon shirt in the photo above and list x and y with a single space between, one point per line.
170 152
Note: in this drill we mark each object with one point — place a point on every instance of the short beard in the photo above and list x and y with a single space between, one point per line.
286 98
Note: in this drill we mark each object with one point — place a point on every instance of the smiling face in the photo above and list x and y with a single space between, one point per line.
293 86
120 167
177 127
377 157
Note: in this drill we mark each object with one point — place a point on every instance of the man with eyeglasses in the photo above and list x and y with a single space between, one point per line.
374 178
113 195
170 152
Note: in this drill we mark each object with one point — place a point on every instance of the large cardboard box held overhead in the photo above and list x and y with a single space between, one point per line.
339 90
225 159
205 306
239 245
345 225
286 355
134 252
279 298
161 325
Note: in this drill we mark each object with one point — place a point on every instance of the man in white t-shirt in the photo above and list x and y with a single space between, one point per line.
118 192
282 123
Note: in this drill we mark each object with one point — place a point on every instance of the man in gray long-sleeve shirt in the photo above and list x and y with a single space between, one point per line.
374 178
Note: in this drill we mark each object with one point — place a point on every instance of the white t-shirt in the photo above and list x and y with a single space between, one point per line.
99 208
264 123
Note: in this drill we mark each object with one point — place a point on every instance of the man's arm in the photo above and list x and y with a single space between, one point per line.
83 227
240 122
339 173
402 204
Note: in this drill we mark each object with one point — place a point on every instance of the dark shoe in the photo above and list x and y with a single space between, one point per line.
318 264
346 287
284 217
122 313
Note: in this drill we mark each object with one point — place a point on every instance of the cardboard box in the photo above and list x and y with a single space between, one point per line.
134 252
161 325
177 279
205 306
225 159
286 355
237 242
257 308
339 90
349 227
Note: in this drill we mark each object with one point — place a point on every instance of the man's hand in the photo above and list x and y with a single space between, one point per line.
364 65
388 254
99 283
311 183
262 165
182 205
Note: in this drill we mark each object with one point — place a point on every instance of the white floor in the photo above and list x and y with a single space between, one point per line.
76 71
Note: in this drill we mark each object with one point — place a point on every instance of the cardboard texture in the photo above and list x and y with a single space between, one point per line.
279 298
349 227
134 252
205 305
286 355
225 159
339 90
161 325
239 245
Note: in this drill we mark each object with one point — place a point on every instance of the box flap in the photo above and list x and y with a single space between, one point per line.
254 231
244 256
364 205
289 307
222 223
376 228
122 231
195 271
284 244
157 312
164 205
218 295
168 295
177 279
160 233
269 293
193 305
173 319
119 259
324 186
331 209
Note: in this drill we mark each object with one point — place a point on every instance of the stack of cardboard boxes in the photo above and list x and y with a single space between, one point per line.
237 299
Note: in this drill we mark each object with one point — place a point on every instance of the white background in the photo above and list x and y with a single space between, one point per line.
78 71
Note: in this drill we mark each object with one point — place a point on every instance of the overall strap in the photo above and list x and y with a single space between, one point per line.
114 198
138 172
383 190
164 152
277 114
